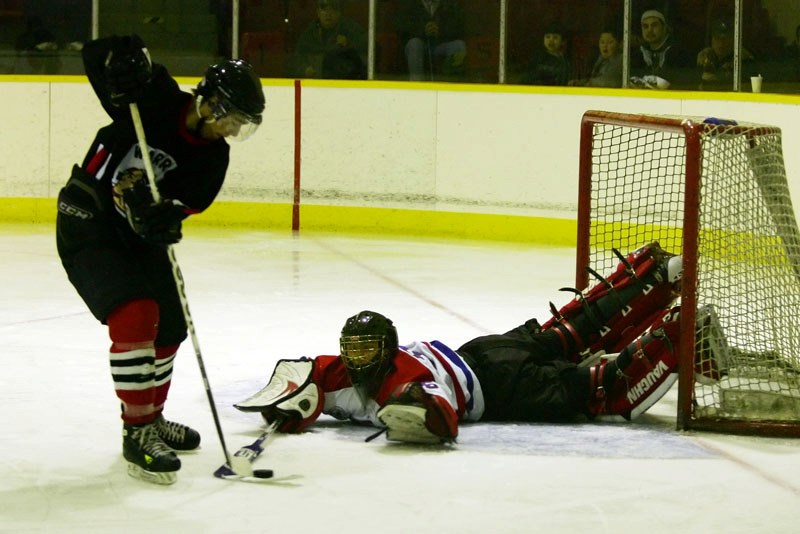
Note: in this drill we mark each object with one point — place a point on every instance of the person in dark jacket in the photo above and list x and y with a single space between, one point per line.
659 62
331 47
549 64
716 62
433 31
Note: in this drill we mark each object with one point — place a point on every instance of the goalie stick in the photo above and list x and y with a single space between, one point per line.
178 276
241 464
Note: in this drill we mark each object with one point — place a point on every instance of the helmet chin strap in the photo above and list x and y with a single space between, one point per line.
198 101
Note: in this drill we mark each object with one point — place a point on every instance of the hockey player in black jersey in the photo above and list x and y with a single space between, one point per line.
112 236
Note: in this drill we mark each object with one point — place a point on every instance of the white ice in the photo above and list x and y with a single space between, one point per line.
260 296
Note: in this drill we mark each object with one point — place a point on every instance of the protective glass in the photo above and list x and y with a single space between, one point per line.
359 352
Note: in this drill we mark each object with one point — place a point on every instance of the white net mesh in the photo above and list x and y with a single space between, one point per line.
748 249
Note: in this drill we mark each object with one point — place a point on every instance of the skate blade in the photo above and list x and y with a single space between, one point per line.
164 479
186 451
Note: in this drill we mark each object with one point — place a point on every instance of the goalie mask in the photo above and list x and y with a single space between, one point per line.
237 94
367 345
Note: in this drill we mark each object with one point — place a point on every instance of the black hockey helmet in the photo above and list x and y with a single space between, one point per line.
368 344
237 89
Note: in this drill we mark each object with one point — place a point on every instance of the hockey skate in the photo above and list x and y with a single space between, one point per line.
176 436
149 458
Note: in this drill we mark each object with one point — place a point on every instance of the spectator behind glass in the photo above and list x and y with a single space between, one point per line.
549 64
659 63
40 49
433 31
332 46
717 61
53 25
36 37
607 69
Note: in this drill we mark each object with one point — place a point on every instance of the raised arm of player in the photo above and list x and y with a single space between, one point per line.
120 72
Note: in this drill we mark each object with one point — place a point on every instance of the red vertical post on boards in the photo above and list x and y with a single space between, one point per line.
296 200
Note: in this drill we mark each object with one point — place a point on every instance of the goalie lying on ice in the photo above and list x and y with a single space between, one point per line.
420 391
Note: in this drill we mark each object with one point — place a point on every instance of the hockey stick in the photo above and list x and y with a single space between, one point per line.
241 465
178 276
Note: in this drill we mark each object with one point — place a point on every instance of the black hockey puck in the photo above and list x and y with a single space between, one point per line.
263 473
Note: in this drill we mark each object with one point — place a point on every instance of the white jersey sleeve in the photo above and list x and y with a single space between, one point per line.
347 404
459 383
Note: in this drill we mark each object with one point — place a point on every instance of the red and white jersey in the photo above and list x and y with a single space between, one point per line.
420 361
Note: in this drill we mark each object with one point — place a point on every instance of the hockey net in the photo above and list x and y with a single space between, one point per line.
717 193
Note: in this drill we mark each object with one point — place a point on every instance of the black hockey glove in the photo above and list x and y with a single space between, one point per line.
157 223
128 69
162 222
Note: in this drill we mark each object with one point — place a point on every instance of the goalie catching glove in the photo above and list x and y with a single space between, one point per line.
417 412
290 396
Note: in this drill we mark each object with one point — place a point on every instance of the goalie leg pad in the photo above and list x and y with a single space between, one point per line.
614 312
649 374
417 413
290 394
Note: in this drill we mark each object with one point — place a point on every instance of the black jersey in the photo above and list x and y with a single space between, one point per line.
107 262
187 167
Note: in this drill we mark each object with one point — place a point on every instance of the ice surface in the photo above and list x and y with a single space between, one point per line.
257 297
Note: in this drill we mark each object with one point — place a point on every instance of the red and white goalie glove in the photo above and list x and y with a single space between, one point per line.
418 412
290 396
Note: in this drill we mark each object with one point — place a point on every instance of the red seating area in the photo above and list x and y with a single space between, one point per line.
11 9
266 51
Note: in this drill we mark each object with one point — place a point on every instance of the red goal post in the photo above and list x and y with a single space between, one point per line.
714 191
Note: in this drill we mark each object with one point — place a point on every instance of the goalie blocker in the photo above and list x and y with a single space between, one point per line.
290 395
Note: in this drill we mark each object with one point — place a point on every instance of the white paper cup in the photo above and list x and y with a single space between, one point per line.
755 81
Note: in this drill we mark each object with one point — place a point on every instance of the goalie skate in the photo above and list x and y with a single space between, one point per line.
712 352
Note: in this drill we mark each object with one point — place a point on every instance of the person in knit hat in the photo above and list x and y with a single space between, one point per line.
659 62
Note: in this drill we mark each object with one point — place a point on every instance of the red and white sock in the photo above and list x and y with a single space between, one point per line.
132 328
165 357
